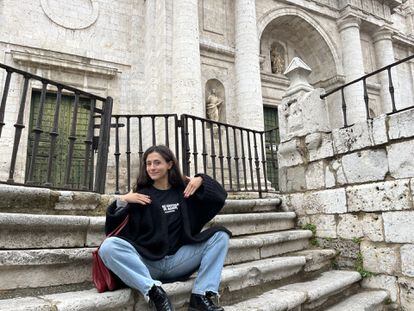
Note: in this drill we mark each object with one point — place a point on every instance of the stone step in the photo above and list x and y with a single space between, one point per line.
33 200
57 267
364 301
316 259
20 231
300 296
235 278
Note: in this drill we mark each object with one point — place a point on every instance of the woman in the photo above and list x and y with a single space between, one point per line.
162 241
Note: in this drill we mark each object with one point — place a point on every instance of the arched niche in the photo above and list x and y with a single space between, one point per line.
214 86
302 36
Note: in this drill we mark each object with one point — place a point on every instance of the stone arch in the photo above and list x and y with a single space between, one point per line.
220 92
296 17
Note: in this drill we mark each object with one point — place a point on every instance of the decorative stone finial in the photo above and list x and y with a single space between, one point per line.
298 73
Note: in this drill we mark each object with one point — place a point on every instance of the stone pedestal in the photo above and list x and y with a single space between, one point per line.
353 65
384 52
302 111
248 83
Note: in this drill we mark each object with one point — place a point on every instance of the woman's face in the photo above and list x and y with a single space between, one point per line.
157 167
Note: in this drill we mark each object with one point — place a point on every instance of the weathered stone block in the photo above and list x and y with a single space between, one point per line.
398 227
379 130
319 146
407 260
379 258
325 225
401 124
330 180
346 248
330 201
295 179
406 293
351 138
401 160
315 176
372 227
386 282
383 196
349 226
290 153
367 165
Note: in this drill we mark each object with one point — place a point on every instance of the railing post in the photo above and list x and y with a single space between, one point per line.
103 147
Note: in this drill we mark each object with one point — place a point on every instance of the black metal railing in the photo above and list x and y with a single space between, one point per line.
235 156
363 79
48 143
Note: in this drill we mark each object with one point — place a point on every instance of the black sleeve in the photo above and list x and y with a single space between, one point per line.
114 217
206 203
210 191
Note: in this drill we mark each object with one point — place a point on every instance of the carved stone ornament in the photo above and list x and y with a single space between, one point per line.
73 14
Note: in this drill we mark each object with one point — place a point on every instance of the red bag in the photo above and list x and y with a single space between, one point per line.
102 277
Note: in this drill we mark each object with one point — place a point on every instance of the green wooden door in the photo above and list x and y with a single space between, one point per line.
270 122
62 143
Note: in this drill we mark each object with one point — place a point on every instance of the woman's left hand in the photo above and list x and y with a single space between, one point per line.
192 186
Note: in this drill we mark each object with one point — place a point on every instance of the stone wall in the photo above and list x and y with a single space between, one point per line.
356 186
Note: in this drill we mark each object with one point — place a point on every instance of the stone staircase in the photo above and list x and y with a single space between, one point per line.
45 259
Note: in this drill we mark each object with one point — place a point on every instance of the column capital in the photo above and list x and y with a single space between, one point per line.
383 33
348 22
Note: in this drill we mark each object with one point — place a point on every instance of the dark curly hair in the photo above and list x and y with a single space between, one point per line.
175 177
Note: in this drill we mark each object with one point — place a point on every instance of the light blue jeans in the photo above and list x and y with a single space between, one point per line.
140 273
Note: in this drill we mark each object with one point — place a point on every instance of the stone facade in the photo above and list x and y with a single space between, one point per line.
359 195
354 183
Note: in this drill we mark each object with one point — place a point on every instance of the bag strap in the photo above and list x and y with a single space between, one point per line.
119 228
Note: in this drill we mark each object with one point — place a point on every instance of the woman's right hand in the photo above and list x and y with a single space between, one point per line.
134 197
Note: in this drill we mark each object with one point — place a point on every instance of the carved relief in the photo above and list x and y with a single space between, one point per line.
74 14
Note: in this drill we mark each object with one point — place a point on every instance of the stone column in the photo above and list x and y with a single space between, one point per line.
384 52
186 67
247 66
353 65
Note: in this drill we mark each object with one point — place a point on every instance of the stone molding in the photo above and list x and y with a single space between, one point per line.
210 46
349 21
82 22
37 60
383 33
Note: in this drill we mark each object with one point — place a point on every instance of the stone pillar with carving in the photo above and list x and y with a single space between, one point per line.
353 66
247 65
186 67
384 52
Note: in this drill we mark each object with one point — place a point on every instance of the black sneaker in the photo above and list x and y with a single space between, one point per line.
158 298
203 303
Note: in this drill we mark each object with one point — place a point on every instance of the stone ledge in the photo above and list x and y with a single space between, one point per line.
372 300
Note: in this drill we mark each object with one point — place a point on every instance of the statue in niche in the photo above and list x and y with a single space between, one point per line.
213 106
277 58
